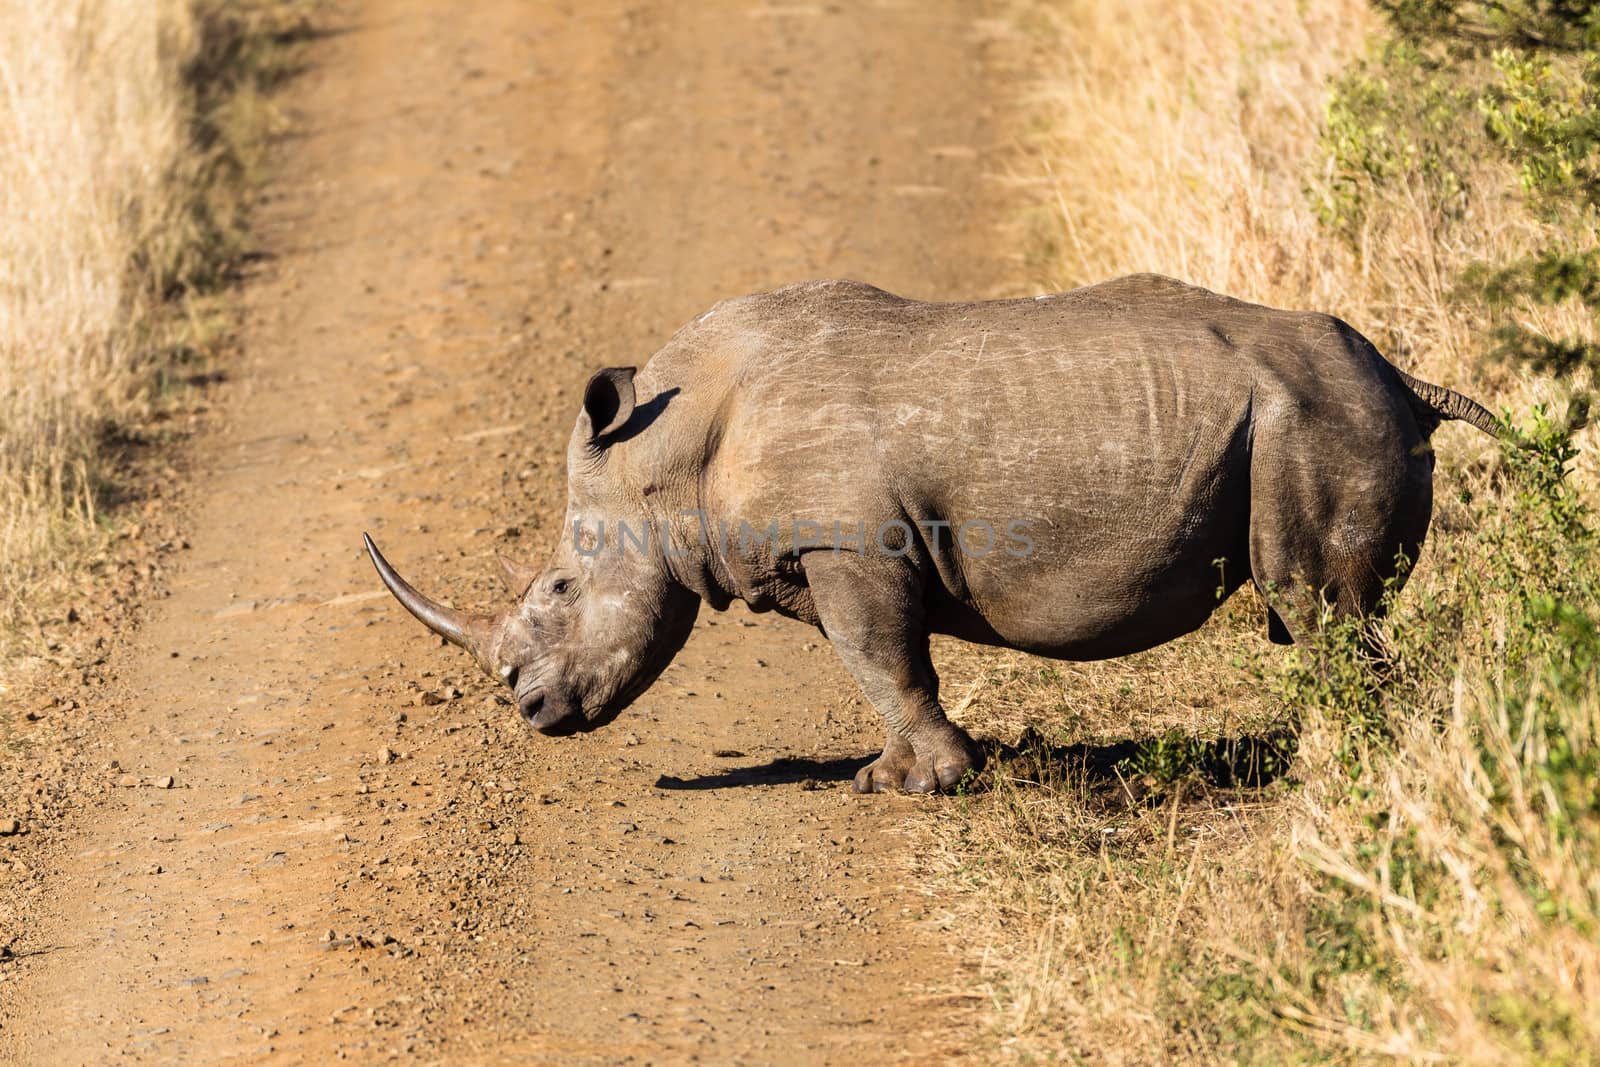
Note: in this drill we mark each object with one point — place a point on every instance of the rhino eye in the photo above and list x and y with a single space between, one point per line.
559 587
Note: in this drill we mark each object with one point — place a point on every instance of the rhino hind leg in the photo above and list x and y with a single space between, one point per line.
1277 631
1300 582
870 609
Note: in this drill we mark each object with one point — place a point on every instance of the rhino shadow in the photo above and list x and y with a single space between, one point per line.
645 414
785 770
1129 769
1131 772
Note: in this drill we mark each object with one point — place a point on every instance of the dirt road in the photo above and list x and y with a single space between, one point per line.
360 851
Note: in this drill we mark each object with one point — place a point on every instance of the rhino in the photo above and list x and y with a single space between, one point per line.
1079 476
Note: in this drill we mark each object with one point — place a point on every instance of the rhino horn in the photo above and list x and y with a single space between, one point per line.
517 576
471 632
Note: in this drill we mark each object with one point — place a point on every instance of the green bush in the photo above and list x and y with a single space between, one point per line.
1479 84
1394 121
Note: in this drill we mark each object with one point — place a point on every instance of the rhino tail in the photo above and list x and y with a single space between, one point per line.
1435 404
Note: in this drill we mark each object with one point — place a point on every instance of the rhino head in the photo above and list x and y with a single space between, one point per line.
598 624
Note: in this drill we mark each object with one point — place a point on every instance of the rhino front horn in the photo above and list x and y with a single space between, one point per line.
457 627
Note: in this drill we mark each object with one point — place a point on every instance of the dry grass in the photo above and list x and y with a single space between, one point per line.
1137 911
1202 925
126 134
1481 894
1185 150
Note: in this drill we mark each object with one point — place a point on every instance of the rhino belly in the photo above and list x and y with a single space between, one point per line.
1098 574
1092 608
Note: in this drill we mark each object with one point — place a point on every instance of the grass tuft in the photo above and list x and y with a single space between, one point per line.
129 135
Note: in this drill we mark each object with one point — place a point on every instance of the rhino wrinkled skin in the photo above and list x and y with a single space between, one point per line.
1080 476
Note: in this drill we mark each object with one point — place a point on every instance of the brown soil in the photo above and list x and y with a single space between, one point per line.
360 851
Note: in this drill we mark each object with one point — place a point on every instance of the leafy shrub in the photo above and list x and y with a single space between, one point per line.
1473 84
1394 121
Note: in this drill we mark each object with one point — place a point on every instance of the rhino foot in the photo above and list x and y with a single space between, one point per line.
941 769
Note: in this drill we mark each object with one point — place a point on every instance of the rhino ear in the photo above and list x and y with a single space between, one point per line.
608 401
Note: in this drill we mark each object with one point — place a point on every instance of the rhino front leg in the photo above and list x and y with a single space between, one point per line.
871 611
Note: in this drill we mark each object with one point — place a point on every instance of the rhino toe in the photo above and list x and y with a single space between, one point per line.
942 775
887 773
924 778
868 780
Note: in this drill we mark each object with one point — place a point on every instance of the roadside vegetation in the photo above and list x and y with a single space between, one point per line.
1218 851
130 135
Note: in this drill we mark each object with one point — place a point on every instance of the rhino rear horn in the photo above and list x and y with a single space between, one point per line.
469 631
517 576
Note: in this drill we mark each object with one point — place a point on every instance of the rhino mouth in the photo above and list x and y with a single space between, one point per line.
554 715
553 718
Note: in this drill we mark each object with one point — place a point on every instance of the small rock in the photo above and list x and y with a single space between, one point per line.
329 935
431 699
386 754
128 781
198 979
728 753
164 782
630 739
155 868
9 827
626 827
510 837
